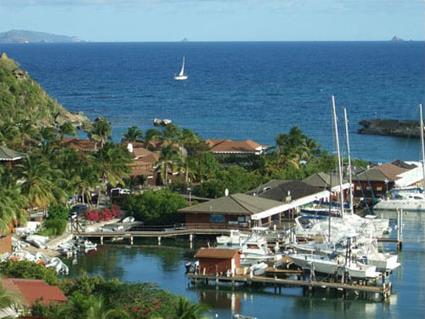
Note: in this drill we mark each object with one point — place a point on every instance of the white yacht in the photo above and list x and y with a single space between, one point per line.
331 266
181 76
235 239
406 201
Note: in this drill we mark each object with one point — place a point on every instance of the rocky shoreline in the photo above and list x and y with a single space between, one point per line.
388 127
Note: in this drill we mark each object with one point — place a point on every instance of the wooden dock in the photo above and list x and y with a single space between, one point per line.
384 291
164 233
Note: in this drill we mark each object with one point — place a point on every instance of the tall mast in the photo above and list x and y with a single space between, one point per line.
349 168
338 154
423 147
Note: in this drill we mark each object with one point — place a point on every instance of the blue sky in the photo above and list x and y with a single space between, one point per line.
218 20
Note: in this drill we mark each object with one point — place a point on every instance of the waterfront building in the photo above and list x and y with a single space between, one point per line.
218 260
377 180
326 181
292 195
233 211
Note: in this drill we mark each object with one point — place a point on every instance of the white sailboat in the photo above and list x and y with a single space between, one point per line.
181 76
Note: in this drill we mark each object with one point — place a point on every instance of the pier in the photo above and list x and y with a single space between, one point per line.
384 290
191 232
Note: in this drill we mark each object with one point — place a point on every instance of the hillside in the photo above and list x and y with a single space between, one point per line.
23 36
24 102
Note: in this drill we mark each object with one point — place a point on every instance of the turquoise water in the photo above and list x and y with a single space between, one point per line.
165 266
239 90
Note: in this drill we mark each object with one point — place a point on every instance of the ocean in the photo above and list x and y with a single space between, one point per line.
241 90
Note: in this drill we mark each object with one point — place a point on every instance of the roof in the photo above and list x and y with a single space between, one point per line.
279 190
33 290
216 253
80 144
141 167
236 204
6 154
381 173
231 146
141 153
323 180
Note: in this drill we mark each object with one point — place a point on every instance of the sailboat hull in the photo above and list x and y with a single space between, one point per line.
180 77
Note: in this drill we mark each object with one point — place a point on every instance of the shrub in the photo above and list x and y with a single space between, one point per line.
53 227
28 270
155 208
104 214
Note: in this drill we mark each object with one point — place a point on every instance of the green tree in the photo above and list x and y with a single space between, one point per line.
133 134
98 310
28 270
188 310
155 208
38 182
101 131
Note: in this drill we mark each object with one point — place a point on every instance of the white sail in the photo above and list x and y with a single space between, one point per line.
182 69
181 75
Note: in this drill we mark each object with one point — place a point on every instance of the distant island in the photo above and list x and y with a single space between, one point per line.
396 39
23 36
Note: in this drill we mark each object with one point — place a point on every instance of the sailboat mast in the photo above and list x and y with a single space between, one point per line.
349 168
338 153
423 146
182 70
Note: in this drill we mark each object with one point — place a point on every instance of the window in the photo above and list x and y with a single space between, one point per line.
379 188
217 219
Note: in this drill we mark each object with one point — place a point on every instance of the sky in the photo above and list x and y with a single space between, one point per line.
218 20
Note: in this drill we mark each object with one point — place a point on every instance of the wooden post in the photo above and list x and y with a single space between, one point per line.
101 240
159 240
131 240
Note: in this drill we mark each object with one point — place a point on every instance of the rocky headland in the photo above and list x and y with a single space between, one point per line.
388 127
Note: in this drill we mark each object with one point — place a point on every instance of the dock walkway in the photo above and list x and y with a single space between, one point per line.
384 291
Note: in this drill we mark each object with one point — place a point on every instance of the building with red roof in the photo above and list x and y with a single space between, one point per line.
34 290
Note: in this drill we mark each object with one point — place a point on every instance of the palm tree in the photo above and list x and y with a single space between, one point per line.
98 310
38 184
12 205
113 161
168 161
101 131
187 310
66 128
79 171
152 135
133 134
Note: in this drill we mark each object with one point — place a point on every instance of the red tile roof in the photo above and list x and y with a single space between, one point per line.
80 144
33 290
144 162
230 146
216 253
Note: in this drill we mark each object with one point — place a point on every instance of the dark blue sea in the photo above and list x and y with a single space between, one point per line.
239 90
